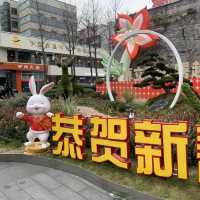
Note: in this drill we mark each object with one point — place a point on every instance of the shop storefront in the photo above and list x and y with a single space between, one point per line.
18 74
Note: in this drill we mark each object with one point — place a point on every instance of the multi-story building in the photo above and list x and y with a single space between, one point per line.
101 39
21 53
20 57
49 17
8 16
179 21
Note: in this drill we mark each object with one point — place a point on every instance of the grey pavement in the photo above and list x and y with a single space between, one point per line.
20 181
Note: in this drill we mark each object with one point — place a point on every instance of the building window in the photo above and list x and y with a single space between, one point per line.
39 79
39 76
11 56
14 24
14 11
25 19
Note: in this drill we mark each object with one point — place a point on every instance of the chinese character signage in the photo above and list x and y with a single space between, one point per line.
160 148
23 67
18 41
158 145
110 141
69 135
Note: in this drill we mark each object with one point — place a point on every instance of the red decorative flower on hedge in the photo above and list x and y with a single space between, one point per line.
139 22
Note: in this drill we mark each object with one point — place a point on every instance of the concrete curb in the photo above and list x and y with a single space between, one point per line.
110 187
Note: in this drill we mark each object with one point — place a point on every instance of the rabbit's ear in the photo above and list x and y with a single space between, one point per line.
46 88
32 85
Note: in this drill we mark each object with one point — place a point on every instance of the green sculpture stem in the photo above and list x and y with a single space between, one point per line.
126 62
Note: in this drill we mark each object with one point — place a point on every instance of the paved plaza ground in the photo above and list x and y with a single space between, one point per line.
20 181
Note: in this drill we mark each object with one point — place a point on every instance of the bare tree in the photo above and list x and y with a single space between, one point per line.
95 25
85 34
111 21
115 5
109 31
71 24
91 16
40 20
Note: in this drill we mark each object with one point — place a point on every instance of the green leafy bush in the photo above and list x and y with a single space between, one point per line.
56 92
77 89
11 128
128 97
106 96
19 100
192 98
67 106
99 81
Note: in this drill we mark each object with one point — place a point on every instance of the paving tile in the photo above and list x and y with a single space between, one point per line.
4 166
14 173
40 193
54 173
93 194
26 183
2 196
64 193
13 192
71 181
46 181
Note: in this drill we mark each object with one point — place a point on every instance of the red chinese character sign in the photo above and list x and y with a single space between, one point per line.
110 141
69 136
155 148
161 149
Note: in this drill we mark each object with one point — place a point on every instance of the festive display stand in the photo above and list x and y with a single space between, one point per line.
36 148
139 93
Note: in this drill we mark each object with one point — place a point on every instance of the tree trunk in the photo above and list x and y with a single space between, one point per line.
95 62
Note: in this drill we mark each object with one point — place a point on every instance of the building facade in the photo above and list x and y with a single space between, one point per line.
158 3
102 38
47 17
21 53
178 21
8 16
20 57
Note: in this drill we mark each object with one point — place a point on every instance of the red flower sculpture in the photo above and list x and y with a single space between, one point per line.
139 22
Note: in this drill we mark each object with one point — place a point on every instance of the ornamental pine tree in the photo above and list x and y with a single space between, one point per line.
65 80
158 74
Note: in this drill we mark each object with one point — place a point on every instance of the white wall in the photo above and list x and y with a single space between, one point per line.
3 55
54 70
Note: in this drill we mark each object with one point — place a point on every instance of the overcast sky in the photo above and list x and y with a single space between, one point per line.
129 6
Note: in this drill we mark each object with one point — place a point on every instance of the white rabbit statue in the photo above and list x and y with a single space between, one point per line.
38 117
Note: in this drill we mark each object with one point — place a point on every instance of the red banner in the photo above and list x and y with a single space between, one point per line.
139 93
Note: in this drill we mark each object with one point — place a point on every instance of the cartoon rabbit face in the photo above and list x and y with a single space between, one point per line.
38 104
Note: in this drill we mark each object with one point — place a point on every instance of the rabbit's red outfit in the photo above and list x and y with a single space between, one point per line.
38 122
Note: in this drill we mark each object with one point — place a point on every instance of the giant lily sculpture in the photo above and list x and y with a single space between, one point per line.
127 24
